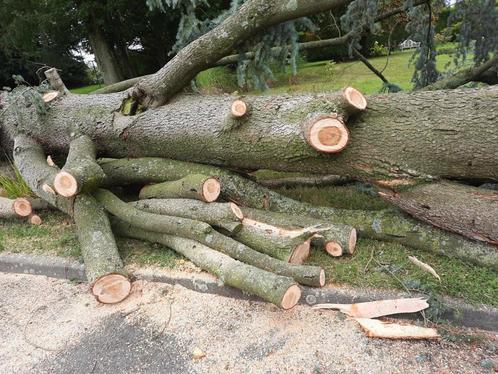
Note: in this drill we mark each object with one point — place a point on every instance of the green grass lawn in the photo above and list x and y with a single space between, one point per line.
374 264
323 76
86 89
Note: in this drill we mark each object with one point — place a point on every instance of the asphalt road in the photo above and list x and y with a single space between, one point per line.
54 326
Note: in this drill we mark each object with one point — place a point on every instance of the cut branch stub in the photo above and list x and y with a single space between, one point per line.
354 101
14 208
239 108
49 96
55 81
81 173
34 219
22 207
327 134
194 186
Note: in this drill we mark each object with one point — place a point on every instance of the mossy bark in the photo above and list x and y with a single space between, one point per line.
205 234
386 225
189 187
406 136
216 214
98 247
250 279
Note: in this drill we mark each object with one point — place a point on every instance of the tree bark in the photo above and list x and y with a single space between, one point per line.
279 290
399 137
469 211
81 173
103 265
309 181
381 225
203 233
203 52
193 186
106 60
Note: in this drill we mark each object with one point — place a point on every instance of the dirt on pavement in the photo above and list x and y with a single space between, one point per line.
54 326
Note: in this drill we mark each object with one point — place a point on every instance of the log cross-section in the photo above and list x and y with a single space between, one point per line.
327 134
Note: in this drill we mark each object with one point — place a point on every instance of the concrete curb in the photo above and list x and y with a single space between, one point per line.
446 309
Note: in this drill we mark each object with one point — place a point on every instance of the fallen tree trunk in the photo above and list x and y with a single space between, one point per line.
279 290
383 225
469 211
203 233
103 265
391 140
311 181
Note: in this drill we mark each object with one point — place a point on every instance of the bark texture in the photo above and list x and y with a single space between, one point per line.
399 137
203 233
250 279
469 211
381 225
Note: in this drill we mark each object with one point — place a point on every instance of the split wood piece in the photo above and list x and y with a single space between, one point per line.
203 233
226 216
424 266
103 266
327 134
96 240
378 329
55 81
14 208
374 309
385 225
81 173
279 290
49 96
34 219
194 186
336 239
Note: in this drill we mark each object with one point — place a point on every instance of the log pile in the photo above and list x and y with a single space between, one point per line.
250 237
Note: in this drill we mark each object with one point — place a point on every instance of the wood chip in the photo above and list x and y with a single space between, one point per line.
378 329
379 308
197 353
424 266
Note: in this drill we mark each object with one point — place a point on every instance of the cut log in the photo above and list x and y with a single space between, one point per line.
55 81
466 210
378 329
336 239
226 216
203 233
34 219
279 290
327 134
103 266
14 208
81 173
98 247
195 186
286 245
386 225
374 309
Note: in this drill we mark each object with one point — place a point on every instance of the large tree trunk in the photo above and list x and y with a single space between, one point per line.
399 138
104 55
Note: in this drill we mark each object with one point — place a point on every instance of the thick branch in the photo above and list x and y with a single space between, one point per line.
469 211
253 16
279 290
203 233
463 76
381 225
